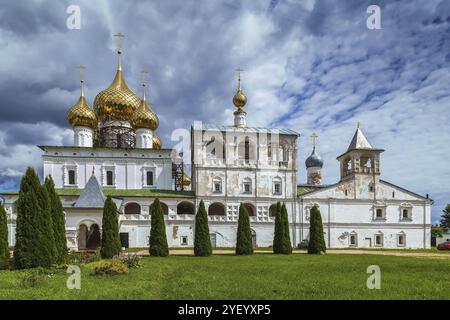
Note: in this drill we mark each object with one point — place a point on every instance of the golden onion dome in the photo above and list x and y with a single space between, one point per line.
240 99
156 142
117 102
186 181
81 114
144 117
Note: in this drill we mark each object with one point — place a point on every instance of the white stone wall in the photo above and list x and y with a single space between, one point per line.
128 166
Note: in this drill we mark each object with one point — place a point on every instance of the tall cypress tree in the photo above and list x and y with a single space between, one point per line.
244 245
4 248
316 240
202 241
110 230
47 245
158 238
59 224
31 248
278 232
287 246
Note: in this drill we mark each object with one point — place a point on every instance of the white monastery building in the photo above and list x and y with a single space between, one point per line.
117 152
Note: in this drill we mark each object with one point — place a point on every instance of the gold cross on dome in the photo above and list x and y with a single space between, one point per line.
239 70
144 74
314 137
81 67
119 35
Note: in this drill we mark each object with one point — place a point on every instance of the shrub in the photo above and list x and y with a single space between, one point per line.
110 231
158 238
4 249
6 264
202 241
287 246
316 243
109 267
244 245
83 257
131 260
35 277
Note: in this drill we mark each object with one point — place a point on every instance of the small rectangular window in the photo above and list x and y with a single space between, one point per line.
277 188
247 188
379 240
72 177
405 214
379 213
149 178
109 178
184 241
217 187
353 240
401 240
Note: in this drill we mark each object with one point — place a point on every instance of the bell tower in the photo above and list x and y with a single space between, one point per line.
360 158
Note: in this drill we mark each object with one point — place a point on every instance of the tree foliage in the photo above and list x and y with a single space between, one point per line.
58 220
111 245
316 240
281 239
445 217
4 248
158 238
202 241
244 245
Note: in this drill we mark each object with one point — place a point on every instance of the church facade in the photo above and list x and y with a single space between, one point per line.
117 152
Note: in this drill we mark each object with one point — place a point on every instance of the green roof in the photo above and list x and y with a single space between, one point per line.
303 190
131 193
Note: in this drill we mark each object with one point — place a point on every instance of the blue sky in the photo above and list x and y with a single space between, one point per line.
309 66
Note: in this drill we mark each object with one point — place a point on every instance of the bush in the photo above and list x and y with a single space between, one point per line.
4 249
109 268
6 264
83 257
110 230
131 260
316 243
202 241
35 277
244 245
158 238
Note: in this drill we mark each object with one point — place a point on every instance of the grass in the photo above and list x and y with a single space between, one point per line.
261 276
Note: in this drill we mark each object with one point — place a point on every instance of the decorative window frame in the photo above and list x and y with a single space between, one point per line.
217 180
277 180
144 177
104 176
353 234
181 241
308 208
68 167
377 206
378 234
247 181
406 206
401 234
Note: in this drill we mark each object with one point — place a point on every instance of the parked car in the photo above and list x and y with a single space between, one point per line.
444 245
303 244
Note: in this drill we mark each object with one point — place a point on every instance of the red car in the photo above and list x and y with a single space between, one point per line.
444 245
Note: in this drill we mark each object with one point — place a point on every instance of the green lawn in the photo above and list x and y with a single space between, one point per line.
261 276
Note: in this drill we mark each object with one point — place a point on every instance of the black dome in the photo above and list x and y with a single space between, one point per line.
314 160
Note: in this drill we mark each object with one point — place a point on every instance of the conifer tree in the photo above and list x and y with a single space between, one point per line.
445 217
4 247
111 245
158 238
244 245
287 246
59 224
278 232
32 248
47 245
202 241
316 240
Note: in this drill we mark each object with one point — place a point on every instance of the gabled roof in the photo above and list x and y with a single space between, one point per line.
91 196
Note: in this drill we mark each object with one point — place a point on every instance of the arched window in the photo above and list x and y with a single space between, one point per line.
216 209
132 208
185 207
273 210
164 208
250 209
